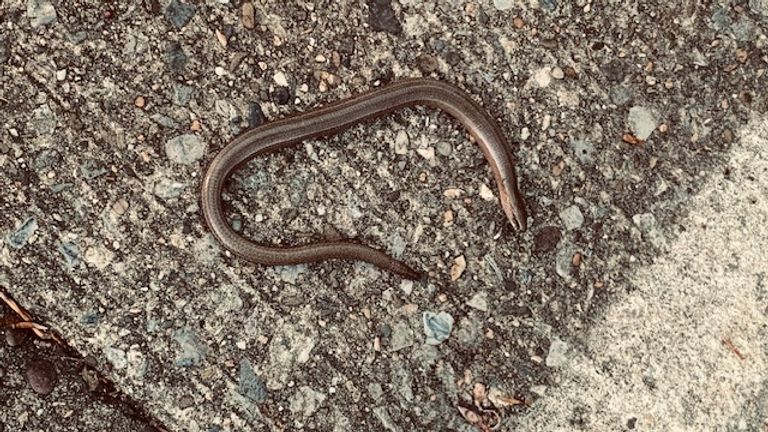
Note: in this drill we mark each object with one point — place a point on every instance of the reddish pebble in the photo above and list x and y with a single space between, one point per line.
41 376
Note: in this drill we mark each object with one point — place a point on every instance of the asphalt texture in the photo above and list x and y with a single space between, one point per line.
630 124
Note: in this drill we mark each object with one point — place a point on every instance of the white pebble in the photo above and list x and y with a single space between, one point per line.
486 193
546 122
401 143
542 77
280 79
427 153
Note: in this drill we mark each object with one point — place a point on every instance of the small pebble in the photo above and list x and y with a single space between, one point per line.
19 237
91 379
479 301
41 376
191 351
564 262
650 228
584 150
248 12
40 12
43 121
613 70
383 18
185 149
250 385
179 14
727 136
186 401
548 5
572 217
546 240
182 94
576 259
401 142
71 253
237 59
448 218
452 58
281 95
557 73
437 327
444 148
256 116
556 356
427 63
139 102
222 38
742 55
427 153
168 189
570 72
164 120
280 79
641 121
401 337
458 267
518 23
452 193
406 286
486 193
175 57
542 77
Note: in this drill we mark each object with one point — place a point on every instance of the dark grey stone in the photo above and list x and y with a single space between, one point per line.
175 57
382 17
23 232
179 14
249 385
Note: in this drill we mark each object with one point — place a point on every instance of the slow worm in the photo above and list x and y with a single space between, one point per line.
335 118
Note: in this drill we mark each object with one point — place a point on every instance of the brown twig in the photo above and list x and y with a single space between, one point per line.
28 325
27 321
728 344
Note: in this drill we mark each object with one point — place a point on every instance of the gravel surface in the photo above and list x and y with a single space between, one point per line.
44 387
687 348
110 112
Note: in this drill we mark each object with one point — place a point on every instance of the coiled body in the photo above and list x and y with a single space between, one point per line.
337 117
